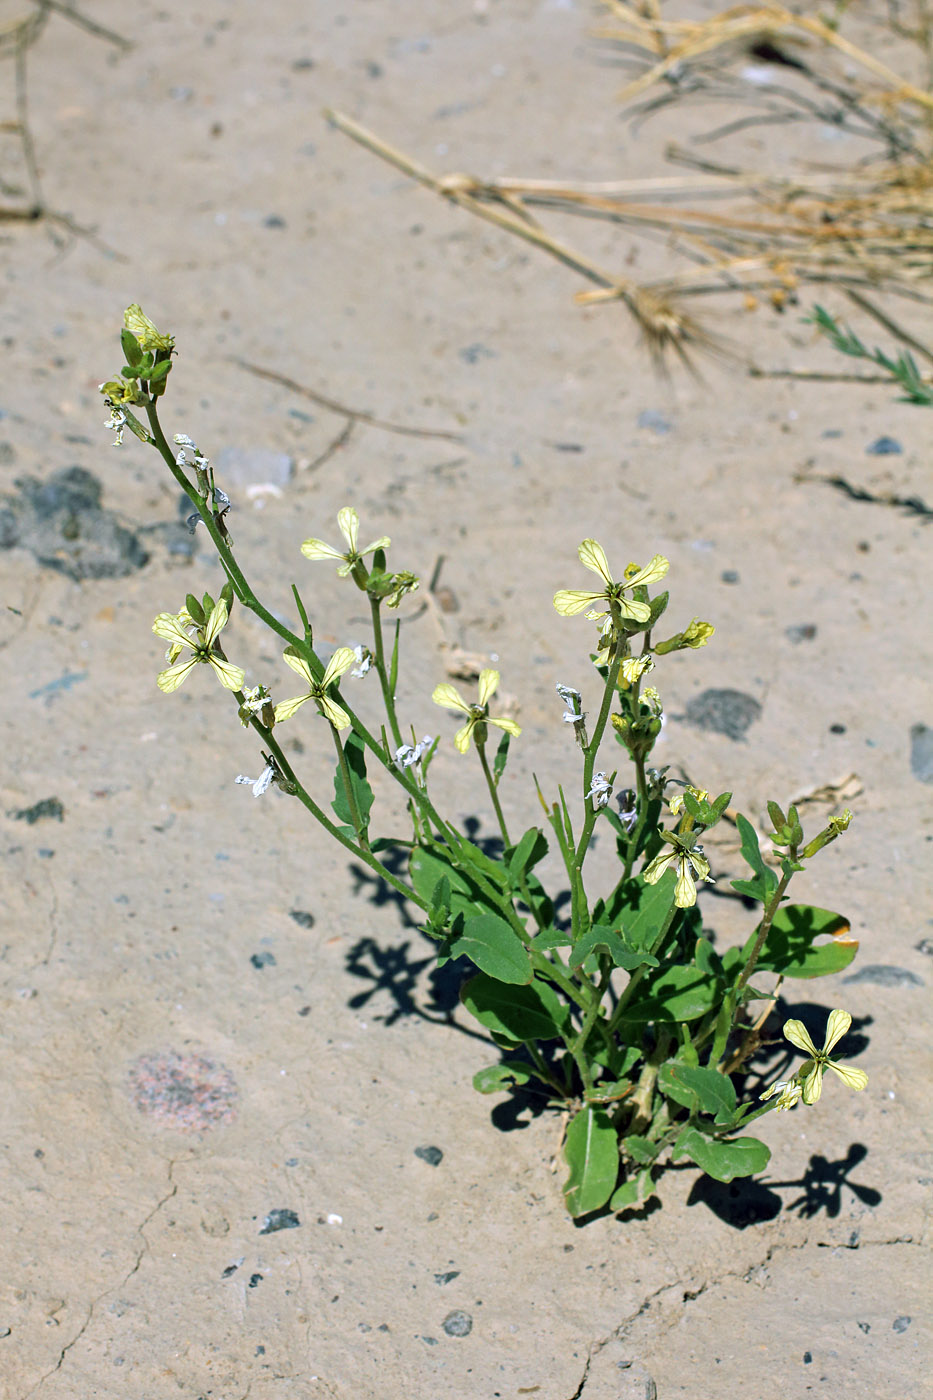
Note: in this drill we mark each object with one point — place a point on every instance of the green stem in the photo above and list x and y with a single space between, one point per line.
379 655
493 793
734 997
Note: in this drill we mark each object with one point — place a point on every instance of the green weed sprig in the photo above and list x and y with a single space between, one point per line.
623 1014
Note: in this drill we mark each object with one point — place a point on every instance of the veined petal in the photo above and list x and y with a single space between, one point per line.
317 549
170 629
216 623
332 711
638 612
685 891
229 675
349 523
654 570
383 542
450 697
839 1022
338 665
811 1082
508 725
286 708
298 664
488 685
170 680
653 872
856 1079
462 736
700 865
796 1033
568 601
593 557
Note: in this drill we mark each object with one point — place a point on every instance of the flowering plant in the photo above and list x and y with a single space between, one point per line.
621 1012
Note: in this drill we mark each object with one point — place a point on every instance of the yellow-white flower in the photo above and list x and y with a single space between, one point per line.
341 661
611 596
788 1092
810 1074
349 523
451 699
175 628
688 861
634 667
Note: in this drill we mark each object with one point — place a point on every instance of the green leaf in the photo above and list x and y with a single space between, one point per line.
643 911
355 754
195 611
516 1012
131 348
791 948
428 866
495 948
722 1160
615 944
766 882
495 1078
633 1191
640 1149
591 1151
501 758
678 993
696 1087
530 849
707 959
552 938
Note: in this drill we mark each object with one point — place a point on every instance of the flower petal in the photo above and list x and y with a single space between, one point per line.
349 523
383 542
856 1079
654 570
317 549
229 675
508 725
568 601
338 665
462 736
298 664
839 1022
653 872
638 612
170 680
216 623
332 711
488 685
170 629
448 696
811 1079
796 1033
593 557
286 708
685 891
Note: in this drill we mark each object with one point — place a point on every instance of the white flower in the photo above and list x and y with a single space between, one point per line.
573 700
364 660
600 791
788 1092
117 422
409 754
260 784
349 523
628 809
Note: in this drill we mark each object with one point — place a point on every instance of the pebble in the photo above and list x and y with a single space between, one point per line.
260 960
48 809
302 918
801 632
655 422
447 1278
281 1219
729 712
460 1324
432 1155
886 975
472 354
884 447
901 1324
921 752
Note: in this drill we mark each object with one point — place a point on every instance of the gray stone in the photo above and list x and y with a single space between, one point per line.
921 752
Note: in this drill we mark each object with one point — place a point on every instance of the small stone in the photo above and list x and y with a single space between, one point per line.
254 1280
260 960
48 809
921 752
432 1155
729 712
807 1358
460 1324
302 918
884 447
5 1331
282 1219
274 221
655 422
864 1327
837 728
730 575
472 354
886 975
447 1278
801 632
901 1324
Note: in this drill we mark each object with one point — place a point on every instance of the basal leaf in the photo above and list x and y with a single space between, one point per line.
515 1011
791 946
591 1151
697 1087
495 1078
722 1160
495 948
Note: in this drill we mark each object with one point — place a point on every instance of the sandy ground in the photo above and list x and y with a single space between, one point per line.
224 1051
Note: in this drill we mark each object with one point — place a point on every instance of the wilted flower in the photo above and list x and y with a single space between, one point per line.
349 523
600 791
260 784
628 808
338 665
478 714
364 660
410 754
176 628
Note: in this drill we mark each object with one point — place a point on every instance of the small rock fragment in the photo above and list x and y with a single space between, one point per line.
885 975
884 447
729 712
432 1155
282 1219
460 1324
921 752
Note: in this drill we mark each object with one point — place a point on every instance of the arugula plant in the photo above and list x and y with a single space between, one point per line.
623 1014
